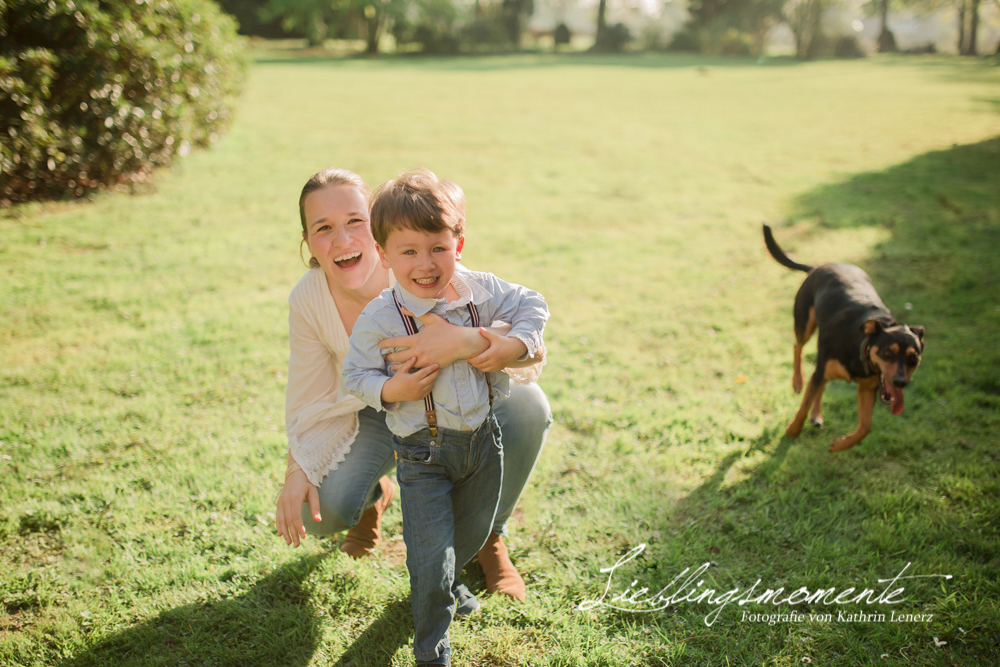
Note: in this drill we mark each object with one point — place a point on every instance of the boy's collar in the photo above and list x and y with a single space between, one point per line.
467 291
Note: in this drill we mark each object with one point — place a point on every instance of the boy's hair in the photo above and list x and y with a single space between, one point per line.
417 200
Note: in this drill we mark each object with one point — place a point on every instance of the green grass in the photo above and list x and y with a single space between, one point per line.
144 346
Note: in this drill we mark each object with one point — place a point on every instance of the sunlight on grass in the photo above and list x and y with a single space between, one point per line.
145 347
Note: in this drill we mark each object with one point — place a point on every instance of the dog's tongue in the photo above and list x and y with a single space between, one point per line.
897 399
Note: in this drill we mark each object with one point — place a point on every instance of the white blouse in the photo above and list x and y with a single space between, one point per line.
321 417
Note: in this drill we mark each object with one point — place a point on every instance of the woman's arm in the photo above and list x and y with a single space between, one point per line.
438 342
313 406
288 514
488 349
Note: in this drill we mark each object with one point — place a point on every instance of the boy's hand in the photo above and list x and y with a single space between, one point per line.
502 352
407 386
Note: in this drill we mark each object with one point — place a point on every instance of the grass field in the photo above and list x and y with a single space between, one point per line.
144 349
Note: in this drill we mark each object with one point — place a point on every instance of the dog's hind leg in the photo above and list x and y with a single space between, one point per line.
804 328
866 405
813 388
816 414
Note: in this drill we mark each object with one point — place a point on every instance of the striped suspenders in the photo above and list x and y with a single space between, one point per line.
411 328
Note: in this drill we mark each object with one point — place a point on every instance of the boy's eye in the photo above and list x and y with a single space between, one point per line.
410 252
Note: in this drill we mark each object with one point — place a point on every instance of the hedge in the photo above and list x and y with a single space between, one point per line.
95 93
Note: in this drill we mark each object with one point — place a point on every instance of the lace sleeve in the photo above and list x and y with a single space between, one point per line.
528 374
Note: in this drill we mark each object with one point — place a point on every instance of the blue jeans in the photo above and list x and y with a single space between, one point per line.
345 493
450 487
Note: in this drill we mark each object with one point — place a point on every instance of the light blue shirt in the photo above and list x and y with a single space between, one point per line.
460 392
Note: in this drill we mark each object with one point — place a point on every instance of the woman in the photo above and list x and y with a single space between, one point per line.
340 451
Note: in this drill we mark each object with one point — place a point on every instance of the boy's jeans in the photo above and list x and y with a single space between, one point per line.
450 487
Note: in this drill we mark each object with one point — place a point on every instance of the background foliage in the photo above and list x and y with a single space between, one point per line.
96 93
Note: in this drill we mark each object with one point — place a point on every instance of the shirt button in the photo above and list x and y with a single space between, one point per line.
463 383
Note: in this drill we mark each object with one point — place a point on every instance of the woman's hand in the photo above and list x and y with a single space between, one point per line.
297 490
439 342
501 353
407 386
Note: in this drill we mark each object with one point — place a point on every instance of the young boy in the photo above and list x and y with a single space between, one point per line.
447 442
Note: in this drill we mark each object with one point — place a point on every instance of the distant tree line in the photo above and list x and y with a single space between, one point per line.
735 27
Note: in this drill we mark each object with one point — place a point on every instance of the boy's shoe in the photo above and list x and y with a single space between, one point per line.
362 539
441 661
465 602
501 575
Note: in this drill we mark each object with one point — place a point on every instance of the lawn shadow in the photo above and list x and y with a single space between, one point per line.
376 646
272 623
921 487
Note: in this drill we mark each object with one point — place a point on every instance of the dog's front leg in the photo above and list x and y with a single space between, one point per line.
812 389
866 405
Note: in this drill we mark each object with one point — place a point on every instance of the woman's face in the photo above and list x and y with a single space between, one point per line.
339 234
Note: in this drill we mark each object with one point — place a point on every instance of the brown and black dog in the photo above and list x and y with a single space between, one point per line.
859 341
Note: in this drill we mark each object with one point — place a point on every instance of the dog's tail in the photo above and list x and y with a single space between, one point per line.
779 254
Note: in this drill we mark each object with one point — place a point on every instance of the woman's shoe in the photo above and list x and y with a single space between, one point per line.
501 575
362 539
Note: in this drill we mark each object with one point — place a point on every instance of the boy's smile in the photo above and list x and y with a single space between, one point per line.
423 262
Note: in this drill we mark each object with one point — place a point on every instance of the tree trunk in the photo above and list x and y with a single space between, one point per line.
373 20
961 27
602 28
886 40
317 30
974 28
815 29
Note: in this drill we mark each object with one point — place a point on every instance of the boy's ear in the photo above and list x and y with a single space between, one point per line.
458 248
382 257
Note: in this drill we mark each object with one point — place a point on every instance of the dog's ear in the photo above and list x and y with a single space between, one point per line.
872 326
919 331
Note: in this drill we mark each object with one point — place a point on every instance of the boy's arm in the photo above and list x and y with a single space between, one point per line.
365 375
364 367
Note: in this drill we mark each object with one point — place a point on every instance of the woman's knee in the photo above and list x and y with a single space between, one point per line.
529 406
334 519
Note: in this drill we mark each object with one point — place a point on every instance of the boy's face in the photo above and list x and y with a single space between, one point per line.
423 262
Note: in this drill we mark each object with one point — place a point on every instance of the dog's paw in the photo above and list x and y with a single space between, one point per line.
793 429
797 384
842 443
817 422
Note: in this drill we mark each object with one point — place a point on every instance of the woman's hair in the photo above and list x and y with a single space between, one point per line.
417 200
328 178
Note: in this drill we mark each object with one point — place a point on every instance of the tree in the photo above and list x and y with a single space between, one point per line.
310 17
804 18
601 37
886 40
515 15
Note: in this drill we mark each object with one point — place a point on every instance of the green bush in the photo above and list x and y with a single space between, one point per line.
97 93
686 40
485 33
848 47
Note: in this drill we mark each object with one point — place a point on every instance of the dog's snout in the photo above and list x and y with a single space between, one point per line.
900 381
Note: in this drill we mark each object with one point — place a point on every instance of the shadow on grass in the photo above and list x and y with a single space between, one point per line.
273 623
377 645
922 488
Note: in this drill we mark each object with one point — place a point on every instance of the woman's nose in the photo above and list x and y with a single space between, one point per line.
341 236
